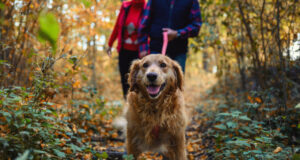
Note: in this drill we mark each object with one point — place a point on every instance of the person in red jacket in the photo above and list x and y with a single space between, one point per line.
126 32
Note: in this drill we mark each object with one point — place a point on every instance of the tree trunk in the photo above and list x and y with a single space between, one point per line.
253 43
282 73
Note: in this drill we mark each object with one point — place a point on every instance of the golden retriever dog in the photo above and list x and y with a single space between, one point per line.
156 115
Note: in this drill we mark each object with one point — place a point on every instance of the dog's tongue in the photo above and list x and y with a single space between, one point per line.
153 89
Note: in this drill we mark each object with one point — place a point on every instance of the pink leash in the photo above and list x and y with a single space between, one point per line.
165 43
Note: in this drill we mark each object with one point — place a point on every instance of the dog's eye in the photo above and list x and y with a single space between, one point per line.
145 65
163 65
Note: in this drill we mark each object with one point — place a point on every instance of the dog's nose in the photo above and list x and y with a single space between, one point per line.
152 76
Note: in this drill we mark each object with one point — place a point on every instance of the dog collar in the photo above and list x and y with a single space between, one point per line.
155 132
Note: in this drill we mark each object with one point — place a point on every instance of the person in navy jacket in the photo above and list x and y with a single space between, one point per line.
180 18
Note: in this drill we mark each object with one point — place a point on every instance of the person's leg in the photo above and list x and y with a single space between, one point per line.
181 59
125 60
132 55
122 69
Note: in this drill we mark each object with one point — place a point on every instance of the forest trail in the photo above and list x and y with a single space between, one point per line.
197 90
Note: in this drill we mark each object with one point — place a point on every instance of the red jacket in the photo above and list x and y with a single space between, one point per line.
118 28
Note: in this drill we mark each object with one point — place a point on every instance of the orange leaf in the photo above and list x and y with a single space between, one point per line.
76 84
114 135
203 157
277 150
190 148
88 156
68 151
258 100
249 98
235 43
62 143
191 157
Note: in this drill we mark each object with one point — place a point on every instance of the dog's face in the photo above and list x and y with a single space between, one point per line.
155 75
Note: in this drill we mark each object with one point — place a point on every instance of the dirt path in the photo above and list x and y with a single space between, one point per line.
196 90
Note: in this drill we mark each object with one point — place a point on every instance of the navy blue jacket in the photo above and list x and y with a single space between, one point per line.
181 15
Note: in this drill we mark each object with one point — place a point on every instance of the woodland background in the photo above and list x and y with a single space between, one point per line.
59 91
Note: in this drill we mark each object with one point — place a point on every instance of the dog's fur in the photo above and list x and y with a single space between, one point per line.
156 123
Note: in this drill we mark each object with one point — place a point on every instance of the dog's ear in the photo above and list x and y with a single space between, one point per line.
134 69
179 75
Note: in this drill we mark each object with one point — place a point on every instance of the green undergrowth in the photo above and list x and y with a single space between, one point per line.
254 129
31 130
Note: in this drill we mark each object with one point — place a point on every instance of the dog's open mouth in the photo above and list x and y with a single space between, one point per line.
154 90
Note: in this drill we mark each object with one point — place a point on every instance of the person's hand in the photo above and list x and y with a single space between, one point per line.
143 54
108 51
172 34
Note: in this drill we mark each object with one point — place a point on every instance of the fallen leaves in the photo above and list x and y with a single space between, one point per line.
254 99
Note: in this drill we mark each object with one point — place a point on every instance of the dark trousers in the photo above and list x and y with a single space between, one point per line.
125 59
